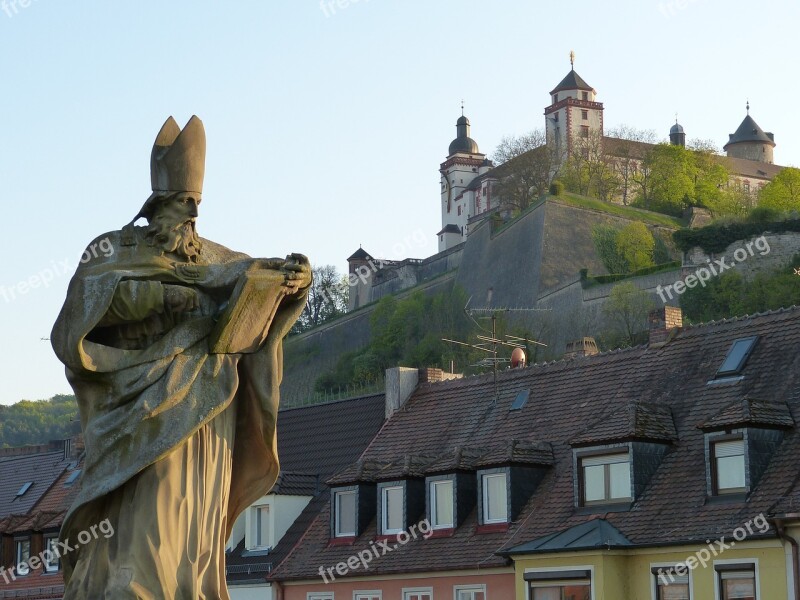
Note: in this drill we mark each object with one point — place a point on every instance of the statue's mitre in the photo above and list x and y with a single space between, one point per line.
177 162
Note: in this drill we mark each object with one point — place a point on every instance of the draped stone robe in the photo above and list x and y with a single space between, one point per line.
179 441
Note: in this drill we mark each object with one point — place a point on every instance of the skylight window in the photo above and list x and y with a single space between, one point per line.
737 356
72 477
520 400
25 487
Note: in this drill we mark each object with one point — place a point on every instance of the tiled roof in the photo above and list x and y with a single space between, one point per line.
750 411
41 470
313 443
325 438
749 131
572 81
359 254
517 452
297 484
566 398
636 421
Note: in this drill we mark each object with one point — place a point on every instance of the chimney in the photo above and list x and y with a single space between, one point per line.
400 384
585 346
664 322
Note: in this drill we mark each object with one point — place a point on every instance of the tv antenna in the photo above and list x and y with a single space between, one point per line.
489 343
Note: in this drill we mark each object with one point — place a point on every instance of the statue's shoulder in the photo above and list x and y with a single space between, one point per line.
215 253
102 248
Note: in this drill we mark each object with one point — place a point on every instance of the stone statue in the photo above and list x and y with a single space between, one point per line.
173 346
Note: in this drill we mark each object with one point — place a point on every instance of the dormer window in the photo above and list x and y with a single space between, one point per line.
555 98
728 466
392 509
344 503
605 478
23 556
442 502
259 534
494 497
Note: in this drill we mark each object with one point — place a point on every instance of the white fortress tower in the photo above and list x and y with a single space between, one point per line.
459 200
574 113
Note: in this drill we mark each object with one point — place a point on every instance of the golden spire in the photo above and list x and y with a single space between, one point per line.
572 58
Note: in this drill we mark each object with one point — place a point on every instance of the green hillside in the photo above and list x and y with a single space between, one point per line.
38 421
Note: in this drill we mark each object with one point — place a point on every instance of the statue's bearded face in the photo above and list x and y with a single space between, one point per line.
172 227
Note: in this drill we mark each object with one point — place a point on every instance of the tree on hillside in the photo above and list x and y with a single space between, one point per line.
783 192
327 298
38 422
627 156
624 250
605 242
711 189
626 309
407 332
671 174
636 245
528 165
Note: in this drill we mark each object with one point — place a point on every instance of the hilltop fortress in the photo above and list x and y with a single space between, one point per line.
468 179
532 261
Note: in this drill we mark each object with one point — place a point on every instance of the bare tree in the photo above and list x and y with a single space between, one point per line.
327 298
585 163
628 149
527 165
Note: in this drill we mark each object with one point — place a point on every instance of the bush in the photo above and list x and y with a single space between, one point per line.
764 214
556 188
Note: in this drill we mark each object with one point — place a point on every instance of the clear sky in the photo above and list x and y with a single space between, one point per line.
326 123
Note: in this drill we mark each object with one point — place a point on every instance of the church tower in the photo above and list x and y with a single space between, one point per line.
751 142
677 136
464 163
573 114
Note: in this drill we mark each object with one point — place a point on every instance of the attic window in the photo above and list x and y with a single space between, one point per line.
737 356
25 487
520 400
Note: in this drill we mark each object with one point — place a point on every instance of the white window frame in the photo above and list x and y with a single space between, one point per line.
385 530
336 532
478 587
433 498
319 596
409 592
17 556
50 567
252 532
665 567
590 568
367 594
606 477
485 497
736 561
715 487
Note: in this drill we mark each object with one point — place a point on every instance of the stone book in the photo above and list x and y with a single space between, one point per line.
243 326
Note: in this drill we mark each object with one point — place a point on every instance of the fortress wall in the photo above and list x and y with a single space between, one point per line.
782 249
508 262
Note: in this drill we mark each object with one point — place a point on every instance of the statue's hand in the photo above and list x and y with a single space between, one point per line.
297 272
180 299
